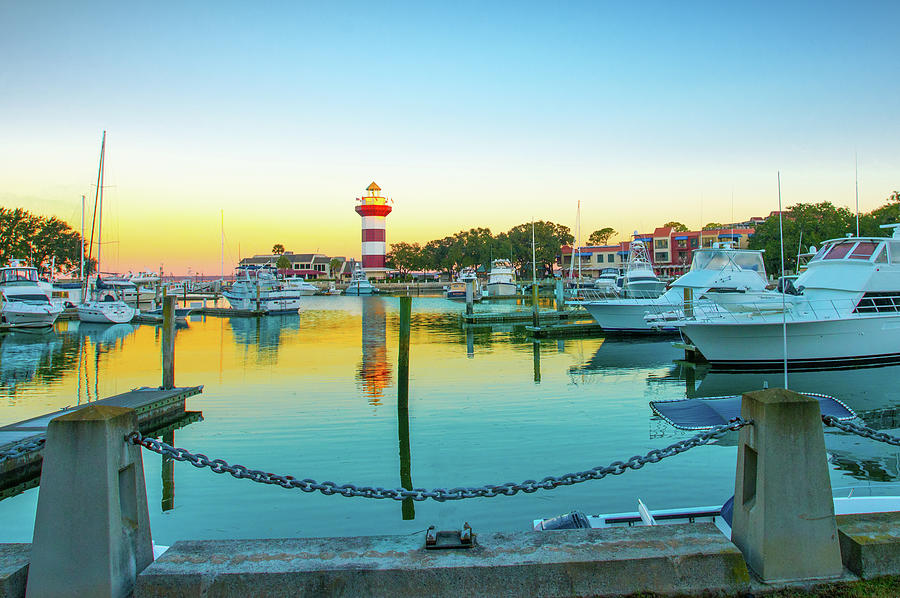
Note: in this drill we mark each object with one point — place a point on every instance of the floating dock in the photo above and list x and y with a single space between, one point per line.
570 329
521 316
158 411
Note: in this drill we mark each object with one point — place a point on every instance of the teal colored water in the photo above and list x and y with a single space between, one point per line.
314 395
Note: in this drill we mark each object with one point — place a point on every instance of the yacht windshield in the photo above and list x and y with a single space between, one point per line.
864 250
719 259
19 275
839 250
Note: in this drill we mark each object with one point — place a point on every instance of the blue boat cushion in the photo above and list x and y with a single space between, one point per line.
705 413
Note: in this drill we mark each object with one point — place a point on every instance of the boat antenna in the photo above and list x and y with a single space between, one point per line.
799 250
783 289
856 177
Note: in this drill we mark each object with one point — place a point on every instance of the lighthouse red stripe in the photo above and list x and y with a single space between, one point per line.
373 234
373 261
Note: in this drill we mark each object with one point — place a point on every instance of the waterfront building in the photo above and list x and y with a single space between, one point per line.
671 251
373 208
303 265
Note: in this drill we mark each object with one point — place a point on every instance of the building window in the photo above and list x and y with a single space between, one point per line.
695 242
682 243
610 258
661 256
662 243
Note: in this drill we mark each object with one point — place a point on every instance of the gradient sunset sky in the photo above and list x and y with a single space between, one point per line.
465 113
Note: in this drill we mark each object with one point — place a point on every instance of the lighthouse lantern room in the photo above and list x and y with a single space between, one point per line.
374 209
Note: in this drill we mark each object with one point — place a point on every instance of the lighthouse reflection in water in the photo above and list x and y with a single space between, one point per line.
374 370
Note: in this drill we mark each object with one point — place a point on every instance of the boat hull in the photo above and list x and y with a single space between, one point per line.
810 344
280 303
626 315
501 289
355 289
17 315
106 312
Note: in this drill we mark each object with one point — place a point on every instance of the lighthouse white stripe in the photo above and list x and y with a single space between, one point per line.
373 248
373 221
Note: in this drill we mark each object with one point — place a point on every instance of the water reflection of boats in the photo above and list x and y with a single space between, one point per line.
23 355
628 354
374 370
105 334
264 331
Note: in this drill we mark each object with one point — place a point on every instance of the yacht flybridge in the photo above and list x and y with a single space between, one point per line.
640 280
717 271
843 310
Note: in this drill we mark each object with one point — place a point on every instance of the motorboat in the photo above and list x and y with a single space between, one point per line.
607 282
301 285
718 270
107 307
332 290
359 283
258 288
639 279
843 310
457 288
501 279
63 294
23 303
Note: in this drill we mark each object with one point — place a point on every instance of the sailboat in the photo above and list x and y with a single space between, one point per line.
106 307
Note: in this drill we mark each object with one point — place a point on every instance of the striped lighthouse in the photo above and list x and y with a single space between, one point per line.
373 208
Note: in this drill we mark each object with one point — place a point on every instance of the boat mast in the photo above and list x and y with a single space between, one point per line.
783 285
578 232
222 263
100 191
856 177
82 243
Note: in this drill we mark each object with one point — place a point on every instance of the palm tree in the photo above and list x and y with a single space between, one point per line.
278 249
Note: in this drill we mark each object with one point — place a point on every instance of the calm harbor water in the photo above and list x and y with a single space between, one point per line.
314 395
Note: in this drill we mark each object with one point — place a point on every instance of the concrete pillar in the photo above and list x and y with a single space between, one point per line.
560 296
470 297
92 528
783 511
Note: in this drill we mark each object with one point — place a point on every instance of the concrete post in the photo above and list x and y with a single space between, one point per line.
560 296
470 297
92 527
783 511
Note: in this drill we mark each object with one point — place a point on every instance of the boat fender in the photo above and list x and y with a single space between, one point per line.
573 520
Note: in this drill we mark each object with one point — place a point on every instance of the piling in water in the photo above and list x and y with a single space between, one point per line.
168 343
408 509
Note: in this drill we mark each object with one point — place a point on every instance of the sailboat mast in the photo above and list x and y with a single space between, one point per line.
783 285
578 232
82 242
100 191
856 177
222 263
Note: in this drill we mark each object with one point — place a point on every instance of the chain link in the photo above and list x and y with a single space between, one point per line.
22 449
864 431
438 494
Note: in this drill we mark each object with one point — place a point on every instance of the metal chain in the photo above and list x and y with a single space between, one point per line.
22 449
864 431
438 494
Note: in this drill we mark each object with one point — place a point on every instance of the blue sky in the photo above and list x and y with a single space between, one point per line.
470 114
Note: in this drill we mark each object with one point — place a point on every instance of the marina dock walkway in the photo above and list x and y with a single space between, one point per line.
158 411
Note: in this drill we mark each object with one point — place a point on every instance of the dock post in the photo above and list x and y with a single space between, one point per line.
560 296
257 299
535 317
783 510
470 297
92 527
168 343
688 302
536 347
408 509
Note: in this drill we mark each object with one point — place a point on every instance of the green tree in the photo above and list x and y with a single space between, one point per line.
334 265
818 222
677 227
277 249
40 240
549 238
713 225
601 236
283 263
403 257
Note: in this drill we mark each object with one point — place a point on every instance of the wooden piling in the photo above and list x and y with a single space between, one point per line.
470 297
535 317
168 343
560 296
408 509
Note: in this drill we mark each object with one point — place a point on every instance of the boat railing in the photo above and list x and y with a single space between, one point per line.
774 310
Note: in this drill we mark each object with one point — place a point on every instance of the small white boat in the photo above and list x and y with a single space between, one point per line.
332 290
107 307
259 289
457 288
359 283
608 282
23 303
301 285
501 279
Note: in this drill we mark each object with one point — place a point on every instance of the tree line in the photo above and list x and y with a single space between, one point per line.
809 224
40 240
478 246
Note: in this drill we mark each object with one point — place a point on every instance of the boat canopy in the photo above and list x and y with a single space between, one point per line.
718 259
20 275
705 413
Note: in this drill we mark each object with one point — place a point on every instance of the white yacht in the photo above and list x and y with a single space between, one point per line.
359 283
299 284
844 309
640 280
259 289
107 307
501 279
608 282
457 288
23 303
715 271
